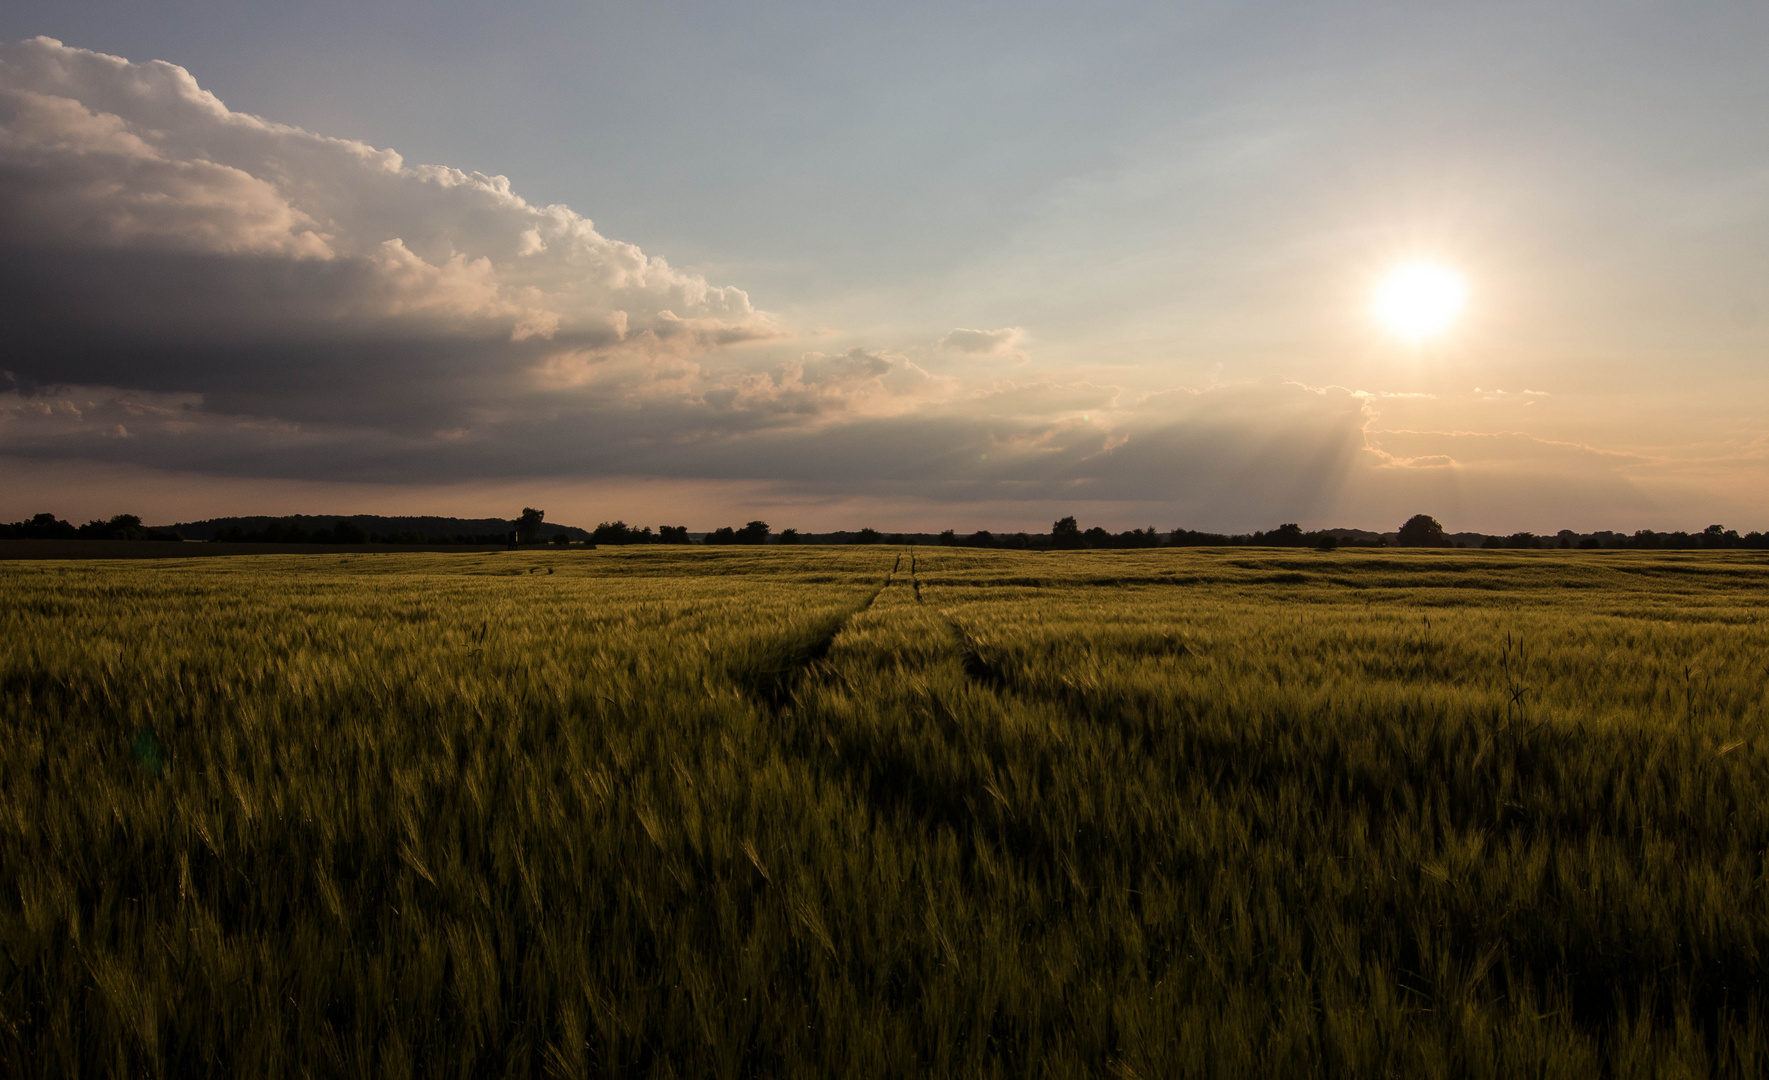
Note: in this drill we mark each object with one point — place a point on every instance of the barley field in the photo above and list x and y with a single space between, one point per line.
874 812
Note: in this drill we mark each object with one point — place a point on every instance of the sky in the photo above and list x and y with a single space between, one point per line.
907 266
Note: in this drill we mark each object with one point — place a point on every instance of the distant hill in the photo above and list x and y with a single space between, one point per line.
493 528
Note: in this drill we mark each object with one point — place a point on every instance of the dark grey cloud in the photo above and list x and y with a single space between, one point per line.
1251 451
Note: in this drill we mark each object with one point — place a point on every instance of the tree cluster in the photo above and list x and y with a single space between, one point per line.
1066 534
1424 531
50 527
620 534
756 532
1289 535
1712 538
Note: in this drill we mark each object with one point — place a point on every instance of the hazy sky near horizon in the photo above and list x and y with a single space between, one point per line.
960 265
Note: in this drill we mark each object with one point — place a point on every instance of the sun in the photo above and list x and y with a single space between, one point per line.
1420 300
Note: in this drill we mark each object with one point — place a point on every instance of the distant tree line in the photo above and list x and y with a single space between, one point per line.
756 532
1714 537
1424 531
1066 533
619 533
273 531
1419 531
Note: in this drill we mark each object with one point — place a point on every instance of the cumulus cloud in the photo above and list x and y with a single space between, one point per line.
858 382
85 178
992 343
150 235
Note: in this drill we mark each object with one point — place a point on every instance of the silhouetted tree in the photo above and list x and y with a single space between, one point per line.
617 533
868 536
1422 530
724 534
1523 540
1135 538
949 538
672 534
1719 536
41 527
1287 535
1065 533
120 527
756 532
528 526
561 539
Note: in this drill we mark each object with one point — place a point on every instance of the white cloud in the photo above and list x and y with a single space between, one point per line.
993 343
102 159
80 177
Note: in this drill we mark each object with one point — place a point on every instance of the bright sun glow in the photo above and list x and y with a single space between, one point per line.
1420 300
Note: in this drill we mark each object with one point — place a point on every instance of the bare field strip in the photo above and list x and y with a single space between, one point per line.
869 812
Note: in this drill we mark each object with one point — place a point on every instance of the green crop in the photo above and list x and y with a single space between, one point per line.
861 812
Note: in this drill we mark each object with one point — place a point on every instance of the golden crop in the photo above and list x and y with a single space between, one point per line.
871 812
